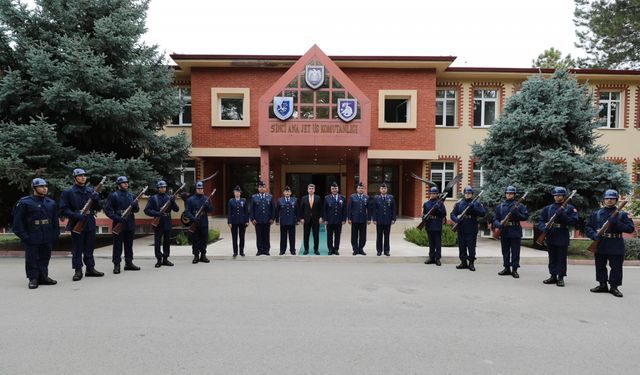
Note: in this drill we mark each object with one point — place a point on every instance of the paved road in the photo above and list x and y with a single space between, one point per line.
293 317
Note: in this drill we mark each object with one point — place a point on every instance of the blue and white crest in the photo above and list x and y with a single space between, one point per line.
314 75
283 107
347 109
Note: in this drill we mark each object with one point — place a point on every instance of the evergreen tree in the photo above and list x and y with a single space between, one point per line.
81 69
552 59
545 138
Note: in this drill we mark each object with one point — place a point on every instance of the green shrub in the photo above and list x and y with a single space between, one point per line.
420 238
632 248
449 237
214 235
182 239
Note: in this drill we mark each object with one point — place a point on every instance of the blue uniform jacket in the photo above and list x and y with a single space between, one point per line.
262 209
512 229
468 223
558 235
358 208
435 220
237 211
334 209
73 200
117 203
154 204
620 224
384 209
35 220
194 203
287 213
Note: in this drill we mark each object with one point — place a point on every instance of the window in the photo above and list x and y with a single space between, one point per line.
446 108
609 109
485 104
478 177
188 174
397 109
441 174
184 117
379 173
230 107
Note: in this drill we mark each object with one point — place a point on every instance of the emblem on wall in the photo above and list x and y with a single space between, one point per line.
314 75
282 107
347 109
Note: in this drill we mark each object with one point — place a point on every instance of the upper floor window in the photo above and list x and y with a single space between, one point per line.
184 117
485 107
397 109
441 174
230 107
446 107
478 177
609 109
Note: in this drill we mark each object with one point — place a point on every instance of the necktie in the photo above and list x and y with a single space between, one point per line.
287 200
336 198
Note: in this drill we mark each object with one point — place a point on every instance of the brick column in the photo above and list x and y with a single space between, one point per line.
264 165
364 166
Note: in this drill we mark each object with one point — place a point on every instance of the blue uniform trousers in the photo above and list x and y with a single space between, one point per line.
125 238
382 237
435 244
467 246
333 236
287 232
82 246
557 260
615 262
199 240
263 238
238 230
37 261
164 237
358 236
510 252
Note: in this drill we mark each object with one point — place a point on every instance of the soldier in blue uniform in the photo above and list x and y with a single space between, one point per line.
201 235
511 232
35 222
237 219
287 219
611 245
433 225
161 233
359 217
72 201
558 236
384 215
262 213
334 213
115 205
467 228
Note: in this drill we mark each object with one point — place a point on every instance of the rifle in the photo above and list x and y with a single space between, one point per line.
118 227
430 183
605 227
166 206
441 198
552 220
194 224
497 231
87 207
454 227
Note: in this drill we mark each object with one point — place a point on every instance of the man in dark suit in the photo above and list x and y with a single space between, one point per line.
310 216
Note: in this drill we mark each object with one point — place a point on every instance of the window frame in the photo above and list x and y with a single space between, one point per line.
483 101
608 102
188 104
444 171
219 93
445 99
412 108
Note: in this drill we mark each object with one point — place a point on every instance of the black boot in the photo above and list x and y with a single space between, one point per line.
47 281
167 262
116 269
204 259
614 290
78 275
92 272
33 283
505 272
159 263
195 259
463 264
602 288
438 262
129 266
560 281
514 273
472 267
551 280
429 261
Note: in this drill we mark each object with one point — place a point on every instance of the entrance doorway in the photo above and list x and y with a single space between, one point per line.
299 181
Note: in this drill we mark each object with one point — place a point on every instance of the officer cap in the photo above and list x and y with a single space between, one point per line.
38 182
334 184
510 189
237 188
611 194
261 183
559 190
161 183
434 190
384 185
360 184
79 172
286 188
121 180
199 185
468 190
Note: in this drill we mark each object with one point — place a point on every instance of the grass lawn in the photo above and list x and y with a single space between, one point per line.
577 248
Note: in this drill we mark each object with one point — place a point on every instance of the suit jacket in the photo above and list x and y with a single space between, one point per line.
308 213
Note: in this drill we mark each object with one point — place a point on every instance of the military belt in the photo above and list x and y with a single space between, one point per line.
559 226
612 235
512 224
431 217
41 222
466 217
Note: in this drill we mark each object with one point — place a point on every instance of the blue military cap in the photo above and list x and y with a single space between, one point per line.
261 183
360 184
286 188
434 190
237 188
559 190
511 189
199 185
384 184
121 180
38 182
611 194
78 172
161 183
468 190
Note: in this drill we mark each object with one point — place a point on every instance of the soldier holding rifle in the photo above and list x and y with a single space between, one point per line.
506 225
159 207
465 216
433 214
196 210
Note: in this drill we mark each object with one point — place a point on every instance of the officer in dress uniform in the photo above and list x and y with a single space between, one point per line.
35 222
161 233
262 213
384 215
116 204
467 228
72 202
287 219
511 232
433 225
310 213
611 245
359 217
558 236
200 237
237 219
334 209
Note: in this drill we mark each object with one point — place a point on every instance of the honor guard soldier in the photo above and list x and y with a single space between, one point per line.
161 233
611 245
384 215
467 227
433 225
238 220
310 213
72 202
335 215
262 213
511 232
287 218
359 217
201 235
115 205
557 237
35 222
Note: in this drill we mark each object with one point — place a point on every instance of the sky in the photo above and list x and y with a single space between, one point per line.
487 33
